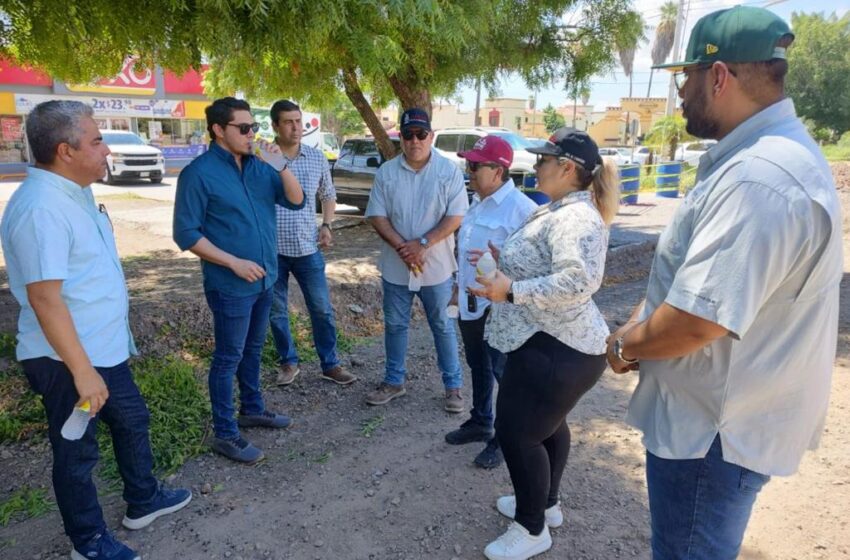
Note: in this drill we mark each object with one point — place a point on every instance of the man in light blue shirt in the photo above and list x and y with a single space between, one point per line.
74 337
416 204
498 209
737 335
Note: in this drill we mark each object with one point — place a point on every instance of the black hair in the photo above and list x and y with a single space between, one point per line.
282 106
221 112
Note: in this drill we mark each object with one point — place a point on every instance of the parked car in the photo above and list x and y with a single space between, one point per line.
354 170
690 152
450 141
622 156
641 155
131 158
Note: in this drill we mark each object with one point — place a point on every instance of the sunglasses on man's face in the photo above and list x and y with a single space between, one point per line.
409 134
245 128
474 166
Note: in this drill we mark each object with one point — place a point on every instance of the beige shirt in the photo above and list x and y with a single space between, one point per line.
415 202
755 247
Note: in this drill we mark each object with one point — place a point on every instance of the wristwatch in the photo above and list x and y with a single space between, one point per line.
327 225
618 350
423 241
510 295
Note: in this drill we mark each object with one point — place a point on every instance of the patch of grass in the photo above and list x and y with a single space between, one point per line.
368 427
323 458
836 152
21 412
179 408
122 196
302 333
8 343
25 503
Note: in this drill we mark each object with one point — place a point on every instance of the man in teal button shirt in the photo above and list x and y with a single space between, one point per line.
74 337
224 212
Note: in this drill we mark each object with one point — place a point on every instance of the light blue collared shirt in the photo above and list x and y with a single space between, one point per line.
52 230
492 219
755 247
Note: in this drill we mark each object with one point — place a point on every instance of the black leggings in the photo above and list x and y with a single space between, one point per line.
542 382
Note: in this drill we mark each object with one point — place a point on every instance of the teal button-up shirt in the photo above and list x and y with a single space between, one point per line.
52 230
235 210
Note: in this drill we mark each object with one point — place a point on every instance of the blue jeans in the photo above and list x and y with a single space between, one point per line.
128 420
486 365
398 301
309 271
699 507
240 324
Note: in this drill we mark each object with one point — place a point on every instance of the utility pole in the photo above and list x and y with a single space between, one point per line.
677 52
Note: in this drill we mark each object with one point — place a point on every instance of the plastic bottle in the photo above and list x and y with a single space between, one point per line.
414 280
76 424
486 266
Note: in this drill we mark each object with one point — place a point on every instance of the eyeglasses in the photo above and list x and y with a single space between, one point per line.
680 78
409 134
245 128
474 166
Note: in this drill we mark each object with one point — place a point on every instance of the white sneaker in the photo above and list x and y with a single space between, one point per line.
507 507
518 544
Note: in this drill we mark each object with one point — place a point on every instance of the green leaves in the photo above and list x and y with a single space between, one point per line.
819 70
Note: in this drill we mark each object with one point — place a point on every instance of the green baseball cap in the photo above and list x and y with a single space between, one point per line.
739 34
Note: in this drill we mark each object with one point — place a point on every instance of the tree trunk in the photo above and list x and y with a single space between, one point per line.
476 121
355 95
649 88
409 93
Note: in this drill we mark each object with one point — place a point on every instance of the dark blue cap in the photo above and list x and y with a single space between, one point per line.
415 117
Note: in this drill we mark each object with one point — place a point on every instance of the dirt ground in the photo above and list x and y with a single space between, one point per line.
326 491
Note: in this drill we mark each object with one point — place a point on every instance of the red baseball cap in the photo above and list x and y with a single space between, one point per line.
490 149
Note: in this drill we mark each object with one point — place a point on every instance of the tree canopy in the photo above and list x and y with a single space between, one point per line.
410 50
819 70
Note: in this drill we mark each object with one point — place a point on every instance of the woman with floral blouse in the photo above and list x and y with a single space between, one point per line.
544 319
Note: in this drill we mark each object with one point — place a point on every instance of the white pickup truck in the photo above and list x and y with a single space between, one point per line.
131 158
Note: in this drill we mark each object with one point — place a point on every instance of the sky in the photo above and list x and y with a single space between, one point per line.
609 88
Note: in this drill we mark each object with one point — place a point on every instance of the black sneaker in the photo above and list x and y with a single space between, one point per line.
491 457
469 432
238 449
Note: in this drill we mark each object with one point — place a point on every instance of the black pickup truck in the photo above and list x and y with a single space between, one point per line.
354 171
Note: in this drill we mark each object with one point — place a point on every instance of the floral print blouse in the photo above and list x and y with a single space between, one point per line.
556 261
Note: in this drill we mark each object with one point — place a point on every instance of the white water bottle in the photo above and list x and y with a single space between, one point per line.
76 424
486 266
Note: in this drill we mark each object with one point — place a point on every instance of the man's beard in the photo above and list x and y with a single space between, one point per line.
699 124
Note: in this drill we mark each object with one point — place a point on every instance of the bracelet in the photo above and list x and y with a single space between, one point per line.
327 225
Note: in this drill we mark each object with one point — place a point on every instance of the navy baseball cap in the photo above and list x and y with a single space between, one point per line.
415 117
572 144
